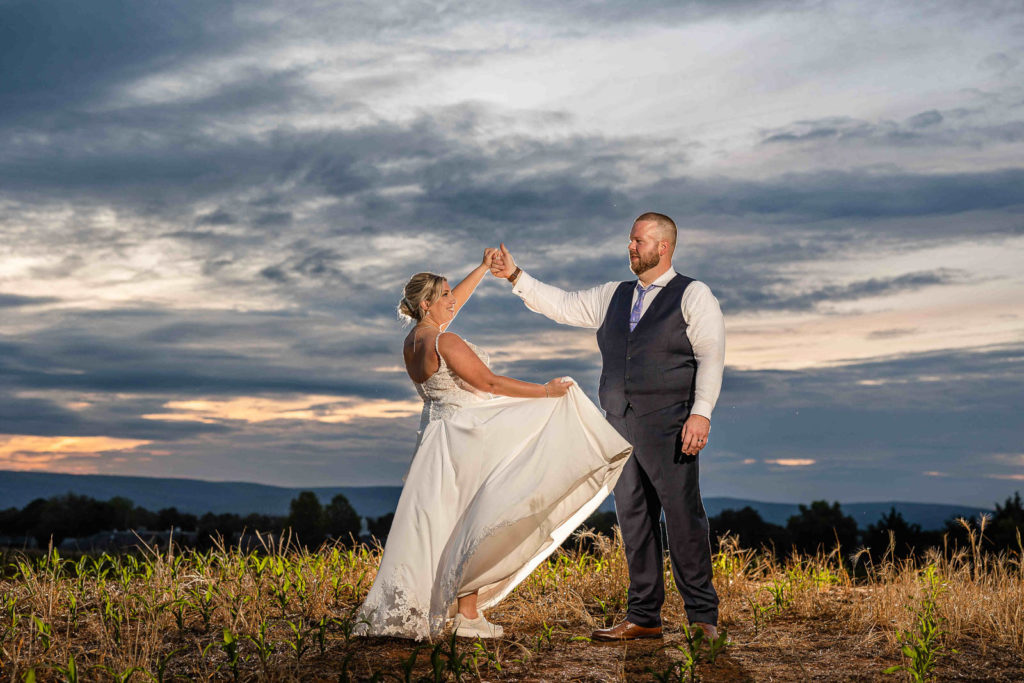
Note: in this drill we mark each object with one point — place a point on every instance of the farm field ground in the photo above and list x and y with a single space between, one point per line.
286 615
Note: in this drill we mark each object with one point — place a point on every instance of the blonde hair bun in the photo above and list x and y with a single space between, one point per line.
420 287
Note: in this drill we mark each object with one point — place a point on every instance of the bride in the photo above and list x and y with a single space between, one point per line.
497 483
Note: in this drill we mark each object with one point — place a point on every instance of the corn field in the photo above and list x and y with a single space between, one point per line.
285 614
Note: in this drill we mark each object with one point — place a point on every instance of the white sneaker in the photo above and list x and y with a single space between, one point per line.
476 628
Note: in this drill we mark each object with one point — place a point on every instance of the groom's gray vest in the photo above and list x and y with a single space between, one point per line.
653 366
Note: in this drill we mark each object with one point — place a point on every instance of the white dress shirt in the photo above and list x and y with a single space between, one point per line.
705 327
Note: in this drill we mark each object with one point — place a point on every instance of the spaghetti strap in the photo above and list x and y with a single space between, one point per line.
437 350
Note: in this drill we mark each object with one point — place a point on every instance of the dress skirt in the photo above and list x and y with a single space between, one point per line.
491 492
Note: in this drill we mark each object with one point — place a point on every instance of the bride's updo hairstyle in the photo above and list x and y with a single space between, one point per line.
420 287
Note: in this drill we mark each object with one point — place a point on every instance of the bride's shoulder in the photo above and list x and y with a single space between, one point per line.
449 339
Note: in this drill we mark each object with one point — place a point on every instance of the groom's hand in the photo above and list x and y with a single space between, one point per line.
503 265
695 434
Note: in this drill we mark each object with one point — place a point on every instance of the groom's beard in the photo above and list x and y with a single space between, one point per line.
643 264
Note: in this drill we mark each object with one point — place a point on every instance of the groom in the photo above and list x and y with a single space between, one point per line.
662 342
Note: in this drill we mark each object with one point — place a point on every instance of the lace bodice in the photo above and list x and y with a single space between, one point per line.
444 392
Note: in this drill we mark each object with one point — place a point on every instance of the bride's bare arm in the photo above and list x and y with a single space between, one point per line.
468 366
465 289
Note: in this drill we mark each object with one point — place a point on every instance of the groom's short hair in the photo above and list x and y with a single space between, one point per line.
666 226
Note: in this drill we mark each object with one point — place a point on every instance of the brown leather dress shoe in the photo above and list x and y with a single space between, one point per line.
625 631
710 630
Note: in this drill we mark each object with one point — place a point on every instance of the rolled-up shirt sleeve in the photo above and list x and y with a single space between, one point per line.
585 308
705 328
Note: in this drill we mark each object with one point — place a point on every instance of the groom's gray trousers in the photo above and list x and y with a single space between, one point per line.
659 476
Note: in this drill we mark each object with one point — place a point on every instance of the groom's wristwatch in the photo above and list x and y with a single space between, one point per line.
515 275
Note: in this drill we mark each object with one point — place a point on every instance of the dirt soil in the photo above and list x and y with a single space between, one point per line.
786 649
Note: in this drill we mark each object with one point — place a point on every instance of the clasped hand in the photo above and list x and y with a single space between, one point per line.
502 264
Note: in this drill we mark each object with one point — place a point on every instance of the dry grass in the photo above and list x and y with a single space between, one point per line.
287 615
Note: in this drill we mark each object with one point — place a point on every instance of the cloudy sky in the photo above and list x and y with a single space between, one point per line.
208 210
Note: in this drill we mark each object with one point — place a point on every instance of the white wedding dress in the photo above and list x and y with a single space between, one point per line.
495 486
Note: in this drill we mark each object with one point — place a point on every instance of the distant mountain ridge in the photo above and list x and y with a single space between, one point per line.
198 496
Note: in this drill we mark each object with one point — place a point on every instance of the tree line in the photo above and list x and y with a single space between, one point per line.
75 516
818 525
821 525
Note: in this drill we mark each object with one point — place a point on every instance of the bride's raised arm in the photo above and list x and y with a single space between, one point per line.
465 289
467 365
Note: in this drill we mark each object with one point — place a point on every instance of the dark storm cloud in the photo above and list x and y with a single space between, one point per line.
44 417
933 382
173 355
559 190
926 129
14 300
60 54
855 194
781 298
218 217
891 333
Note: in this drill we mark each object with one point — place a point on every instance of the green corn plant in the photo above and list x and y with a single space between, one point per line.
236 603
716 646
922 646
357 587
321 634
336 586
456 662
759 613
480 652
264 647
229 646
302 592
204 653
348 623
111 616
780 598
44 631
546 633
12 619
29 677
70 672
126 572
438 665
344 676
673 673
408 665
73 610
241 567
606 617
202 602
176 563
161 666
280 593
178 608
25 571
298 643
257 568
81 573
119 676
693 642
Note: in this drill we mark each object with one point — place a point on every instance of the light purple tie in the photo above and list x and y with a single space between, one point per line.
638 307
